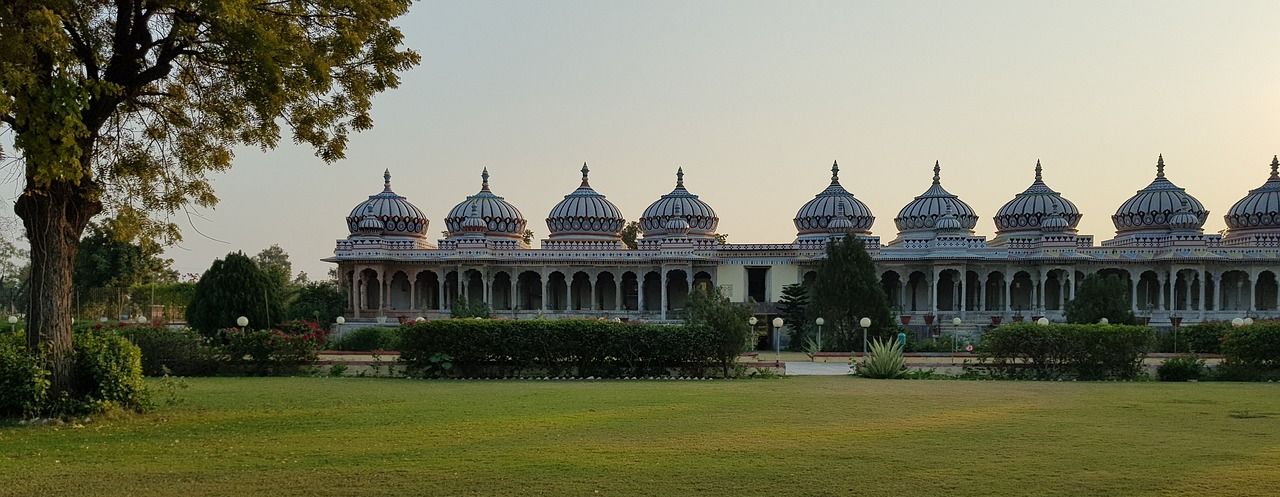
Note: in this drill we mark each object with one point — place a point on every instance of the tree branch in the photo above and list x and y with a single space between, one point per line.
82 51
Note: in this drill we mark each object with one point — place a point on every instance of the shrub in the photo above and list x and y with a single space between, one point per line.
231 288
1182 368
1083 351
270 352
489 348
320 301
1100 296
1200 338
181 352
108 375
367 339
885 360
24 384
726 319
465 310
1251 353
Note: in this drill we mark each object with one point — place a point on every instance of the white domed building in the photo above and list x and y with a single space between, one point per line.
936 268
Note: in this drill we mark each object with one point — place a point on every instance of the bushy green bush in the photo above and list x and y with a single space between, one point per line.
1083 351
489 348
1200 338
728 320
1182 368
108 373
885 360
180 352
24 384
1251 353
269 352
368 339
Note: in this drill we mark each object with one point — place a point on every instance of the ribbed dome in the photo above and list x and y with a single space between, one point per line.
1152 208
1028 210
700 216
817 214
922 214
501 218
584 213
1260 209
395 214
948 221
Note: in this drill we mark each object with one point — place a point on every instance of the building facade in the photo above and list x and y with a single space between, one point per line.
935 267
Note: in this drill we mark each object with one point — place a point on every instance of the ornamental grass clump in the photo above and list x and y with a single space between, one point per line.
885 360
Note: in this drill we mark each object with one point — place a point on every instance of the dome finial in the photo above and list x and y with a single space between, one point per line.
484 179
1039 170
386 180
835 171
585 170
680 177
1160 166
937 173
1275 167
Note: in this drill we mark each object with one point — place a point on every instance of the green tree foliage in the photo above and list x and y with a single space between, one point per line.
128 106
1101 297
793 305
527 237
274 261
629 234
727 320
317 301
846 290
105 260
14 265
231 288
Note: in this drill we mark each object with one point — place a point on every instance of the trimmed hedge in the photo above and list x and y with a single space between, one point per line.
368 339
1251 353
582 348
179 352
1056 351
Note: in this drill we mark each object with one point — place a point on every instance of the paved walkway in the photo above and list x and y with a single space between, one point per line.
817 368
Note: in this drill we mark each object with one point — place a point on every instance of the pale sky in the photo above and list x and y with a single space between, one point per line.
755 99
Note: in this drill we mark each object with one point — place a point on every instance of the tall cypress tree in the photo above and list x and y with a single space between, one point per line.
793 306
846 290
231 288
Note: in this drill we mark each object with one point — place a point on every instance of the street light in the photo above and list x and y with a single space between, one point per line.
1043 321
1237 322
777 339
1248 321
819 322
142 319
338 322
864 323
1104 321
13 323
955 336
242 322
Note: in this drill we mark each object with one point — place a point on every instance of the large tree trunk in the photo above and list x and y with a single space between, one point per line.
54 217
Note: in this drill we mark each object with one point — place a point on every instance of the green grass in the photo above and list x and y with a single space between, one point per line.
797 436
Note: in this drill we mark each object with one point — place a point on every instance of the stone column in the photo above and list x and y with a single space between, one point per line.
1160 294
1040 300
663 280
960 292
462 287
933 293
413 293
440 296
513 298
545 282
1134 291
360 298
591 290
982 293
1253 286
1200 278
617 293
640 292
1009 293
1217 291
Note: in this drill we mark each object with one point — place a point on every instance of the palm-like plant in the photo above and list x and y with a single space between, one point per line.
885 360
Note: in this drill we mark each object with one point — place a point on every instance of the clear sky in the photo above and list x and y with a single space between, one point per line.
755 99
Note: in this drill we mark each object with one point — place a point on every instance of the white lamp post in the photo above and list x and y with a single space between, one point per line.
337 325
1042 321
777 339
955 334
864 323
142 319
242 322
1248 321
819 322
1104 321
13 323
1237 322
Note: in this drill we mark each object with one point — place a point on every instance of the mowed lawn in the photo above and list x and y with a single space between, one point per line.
796 436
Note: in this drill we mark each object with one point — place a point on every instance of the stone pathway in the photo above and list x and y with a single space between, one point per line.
817 368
